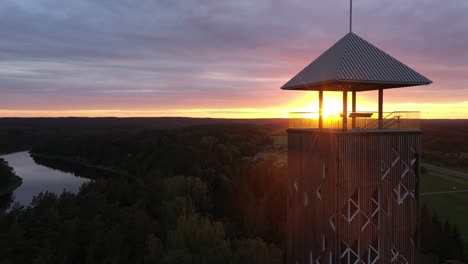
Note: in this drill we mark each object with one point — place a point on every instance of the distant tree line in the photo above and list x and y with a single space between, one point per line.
455 160
20 134
445 143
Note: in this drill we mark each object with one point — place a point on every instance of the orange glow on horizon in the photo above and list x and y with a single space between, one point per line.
332 104
428 111
304 102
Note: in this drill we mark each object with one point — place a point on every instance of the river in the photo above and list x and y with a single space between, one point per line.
38 178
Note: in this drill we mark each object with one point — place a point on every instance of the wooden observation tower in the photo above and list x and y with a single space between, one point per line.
354 181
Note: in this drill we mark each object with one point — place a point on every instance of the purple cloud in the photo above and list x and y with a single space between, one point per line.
206 53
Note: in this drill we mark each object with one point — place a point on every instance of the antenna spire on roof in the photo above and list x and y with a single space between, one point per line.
350 16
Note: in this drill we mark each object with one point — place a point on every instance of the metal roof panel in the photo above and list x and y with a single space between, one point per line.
354 60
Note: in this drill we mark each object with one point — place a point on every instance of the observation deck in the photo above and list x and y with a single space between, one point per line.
358 121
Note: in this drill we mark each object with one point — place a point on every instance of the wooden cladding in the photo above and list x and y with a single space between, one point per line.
353 197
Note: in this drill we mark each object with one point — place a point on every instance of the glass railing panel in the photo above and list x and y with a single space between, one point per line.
399 120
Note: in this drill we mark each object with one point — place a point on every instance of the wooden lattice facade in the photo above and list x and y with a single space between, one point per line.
353 196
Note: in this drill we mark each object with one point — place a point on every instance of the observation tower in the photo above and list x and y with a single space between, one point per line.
354 180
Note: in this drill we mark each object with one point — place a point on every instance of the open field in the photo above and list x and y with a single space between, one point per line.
451 206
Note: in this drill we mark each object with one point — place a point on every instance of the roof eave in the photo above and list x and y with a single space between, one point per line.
331 85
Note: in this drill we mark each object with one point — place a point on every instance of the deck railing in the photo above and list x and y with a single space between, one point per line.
399 120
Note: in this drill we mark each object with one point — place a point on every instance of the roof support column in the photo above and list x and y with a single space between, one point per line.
380 107
320 109
345 109
353 99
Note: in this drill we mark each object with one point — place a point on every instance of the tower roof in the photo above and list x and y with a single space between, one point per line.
355 64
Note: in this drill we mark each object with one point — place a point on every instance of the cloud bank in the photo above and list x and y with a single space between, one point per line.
181 54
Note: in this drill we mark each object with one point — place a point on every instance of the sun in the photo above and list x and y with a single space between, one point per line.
332 107
308 105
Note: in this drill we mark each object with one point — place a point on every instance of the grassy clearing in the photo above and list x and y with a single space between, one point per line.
449 206
436 182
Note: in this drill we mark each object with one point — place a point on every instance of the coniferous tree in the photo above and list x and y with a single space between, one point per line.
459 248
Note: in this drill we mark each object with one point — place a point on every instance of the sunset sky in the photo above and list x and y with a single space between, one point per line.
212 58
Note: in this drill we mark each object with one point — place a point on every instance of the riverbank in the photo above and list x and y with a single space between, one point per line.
38 178
13 183
9 181
76 162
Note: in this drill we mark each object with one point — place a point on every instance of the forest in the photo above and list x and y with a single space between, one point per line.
192 195
186 194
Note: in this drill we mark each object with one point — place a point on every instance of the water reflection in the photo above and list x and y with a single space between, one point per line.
37 178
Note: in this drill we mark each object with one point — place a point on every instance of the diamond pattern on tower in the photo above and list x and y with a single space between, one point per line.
385 169
349 255
412 172
351 209
405 170
375 207
353 205
371 255
332 222
364 208
403 260
318 192
400 193
374 249
413 194
395 157
365 220
394 254
414 157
